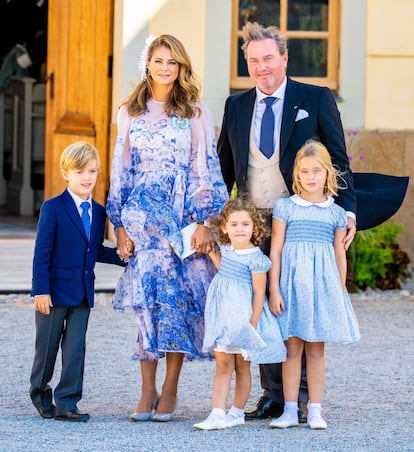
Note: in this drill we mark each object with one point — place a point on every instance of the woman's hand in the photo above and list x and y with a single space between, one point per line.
202 240
125 246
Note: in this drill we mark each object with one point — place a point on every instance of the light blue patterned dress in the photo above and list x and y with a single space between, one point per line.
165 175
229 309
317 309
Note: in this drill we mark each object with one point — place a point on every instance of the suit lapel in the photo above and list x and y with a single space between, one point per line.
96 220
244 117
291 106
72 212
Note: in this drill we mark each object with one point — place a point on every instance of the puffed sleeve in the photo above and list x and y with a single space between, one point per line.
280 210
341 218
121 180
206 191
260 263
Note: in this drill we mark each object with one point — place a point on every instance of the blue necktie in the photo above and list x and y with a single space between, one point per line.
267 129
86 220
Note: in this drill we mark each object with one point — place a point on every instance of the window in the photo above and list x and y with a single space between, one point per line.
312 28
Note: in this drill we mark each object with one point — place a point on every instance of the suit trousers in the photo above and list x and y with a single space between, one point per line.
65 326
271 374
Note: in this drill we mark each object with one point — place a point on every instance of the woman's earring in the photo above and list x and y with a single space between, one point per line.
146 75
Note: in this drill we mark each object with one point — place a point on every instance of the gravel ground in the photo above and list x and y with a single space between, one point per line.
369 395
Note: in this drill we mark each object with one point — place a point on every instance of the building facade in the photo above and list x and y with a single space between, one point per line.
361 49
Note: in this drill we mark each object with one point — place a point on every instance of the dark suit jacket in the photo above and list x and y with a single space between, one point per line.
323 124
64 259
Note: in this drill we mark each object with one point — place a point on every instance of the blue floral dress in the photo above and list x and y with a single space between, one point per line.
317 309
229 309
165 175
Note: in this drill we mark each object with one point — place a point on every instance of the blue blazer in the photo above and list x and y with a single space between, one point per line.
323 124
64 258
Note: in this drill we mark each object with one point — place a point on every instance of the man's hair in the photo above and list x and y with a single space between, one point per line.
252 31
78 155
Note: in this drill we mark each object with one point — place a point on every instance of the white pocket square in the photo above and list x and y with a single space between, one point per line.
301 114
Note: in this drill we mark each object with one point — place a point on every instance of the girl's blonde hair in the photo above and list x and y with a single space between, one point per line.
185 92
241 203
77 155
319 152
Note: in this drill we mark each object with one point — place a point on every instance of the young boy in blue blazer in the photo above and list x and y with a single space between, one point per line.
69 242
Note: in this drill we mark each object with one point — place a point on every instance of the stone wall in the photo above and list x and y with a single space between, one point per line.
388 152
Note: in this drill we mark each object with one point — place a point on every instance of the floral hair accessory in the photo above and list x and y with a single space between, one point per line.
142 65
180 123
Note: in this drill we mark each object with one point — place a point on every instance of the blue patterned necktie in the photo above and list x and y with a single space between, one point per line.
86 220
267 129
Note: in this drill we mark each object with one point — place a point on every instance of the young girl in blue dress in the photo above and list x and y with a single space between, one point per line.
239 326
307 279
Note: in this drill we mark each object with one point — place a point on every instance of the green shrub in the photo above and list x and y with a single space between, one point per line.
375 259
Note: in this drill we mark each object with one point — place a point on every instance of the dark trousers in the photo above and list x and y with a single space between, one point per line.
271 374
271 382
64 326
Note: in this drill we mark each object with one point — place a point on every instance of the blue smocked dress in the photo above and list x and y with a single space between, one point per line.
229 309
165 175
317 309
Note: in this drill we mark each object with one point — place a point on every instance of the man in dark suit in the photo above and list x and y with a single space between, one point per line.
69 241
299 112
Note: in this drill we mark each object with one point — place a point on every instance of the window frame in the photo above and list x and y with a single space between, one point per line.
332 35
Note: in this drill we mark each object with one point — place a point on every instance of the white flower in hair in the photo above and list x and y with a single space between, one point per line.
142 65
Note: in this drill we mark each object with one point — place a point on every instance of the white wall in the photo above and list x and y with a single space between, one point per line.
352 74
216 77
204 27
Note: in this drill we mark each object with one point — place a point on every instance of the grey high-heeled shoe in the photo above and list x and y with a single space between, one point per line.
142 417
163 417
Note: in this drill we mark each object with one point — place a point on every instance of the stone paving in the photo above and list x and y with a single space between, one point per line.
368 398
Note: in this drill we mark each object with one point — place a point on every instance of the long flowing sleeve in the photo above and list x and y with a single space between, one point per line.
206 191
121 180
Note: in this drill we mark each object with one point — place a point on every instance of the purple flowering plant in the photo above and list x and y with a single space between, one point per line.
356 162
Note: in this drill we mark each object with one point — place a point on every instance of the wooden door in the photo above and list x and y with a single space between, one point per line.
79 66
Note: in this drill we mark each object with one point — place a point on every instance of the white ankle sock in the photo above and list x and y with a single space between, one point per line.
234 412
218 412
291 408
314 408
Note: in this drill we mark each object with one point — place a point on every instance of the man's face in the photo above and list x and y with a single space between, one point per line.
267 67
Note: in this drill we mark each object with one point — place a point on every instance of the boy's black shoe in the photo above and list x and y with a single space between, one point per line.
48 413
73 416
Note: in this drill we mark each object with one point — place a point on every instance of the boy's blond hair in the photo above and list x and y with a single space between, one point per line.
78 155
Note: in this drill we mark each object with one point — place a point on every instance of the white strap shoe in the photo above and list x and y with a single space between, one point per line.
285 421
211 423
316 422
233 420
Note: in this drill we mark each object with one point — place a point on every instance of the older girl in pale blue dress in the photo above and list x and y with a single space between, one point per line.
239 325
165 175
307 279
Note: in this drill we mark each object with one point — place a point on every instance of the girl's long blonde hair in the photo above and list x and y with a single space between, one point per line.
318 151
186 90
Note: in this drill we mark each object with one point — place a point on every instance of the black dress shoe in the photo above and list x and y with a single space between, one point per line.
264 409
73 416
46 413
303 413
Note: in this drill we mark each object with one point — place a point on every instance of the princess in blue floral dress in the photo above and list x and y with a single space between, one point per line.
307 279
240 328
165 175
